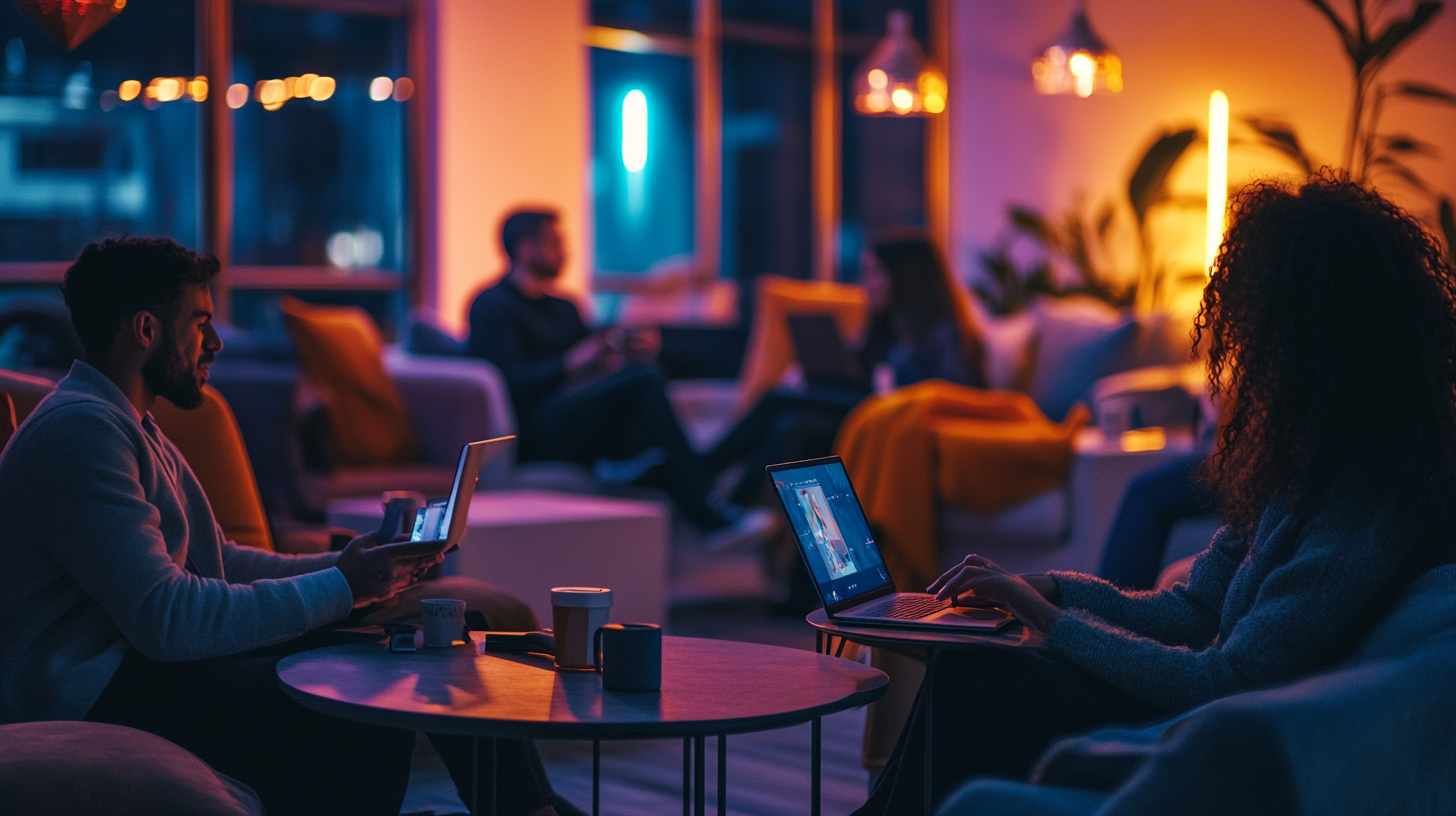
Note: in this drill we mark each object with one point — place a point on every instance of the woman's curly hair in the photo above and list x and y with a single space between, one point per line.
1330 319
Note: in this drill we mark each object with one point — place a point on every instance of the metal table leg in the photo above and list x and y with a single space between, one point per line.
722 775
475 774
928 689
700 776
687 776
816 794
596 777
494 776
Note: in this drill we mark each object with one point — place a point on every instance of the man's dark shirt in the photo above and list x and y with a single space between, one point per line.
526 339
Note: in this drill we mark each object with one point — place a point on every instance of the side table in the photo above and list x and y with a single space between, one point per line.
1012 636
709 687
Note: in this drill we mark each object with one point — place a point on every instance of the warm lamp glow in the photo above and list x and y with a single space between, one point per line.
129 90
322 88
634 131
237 95
1079 62
1218 122
381 88
197 89
896 79
1139 440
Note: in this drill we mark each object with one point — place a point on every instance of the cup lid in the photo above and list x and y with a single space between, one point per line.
581 596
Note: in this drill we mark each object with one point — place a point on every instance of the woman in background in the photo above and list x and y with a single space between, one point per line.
920 328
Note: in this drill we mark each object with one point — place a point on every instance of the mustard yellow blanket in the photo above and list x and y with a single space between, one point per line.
936 441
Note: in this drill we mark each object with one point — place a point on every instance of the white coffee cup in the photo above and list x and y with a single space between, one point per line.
576 614
444 621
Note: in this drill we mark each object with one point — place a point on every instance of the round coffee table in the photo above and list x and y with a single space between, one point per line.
709 687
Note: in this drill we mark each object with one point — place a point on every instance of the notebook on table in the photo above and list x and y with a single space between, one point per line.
845 563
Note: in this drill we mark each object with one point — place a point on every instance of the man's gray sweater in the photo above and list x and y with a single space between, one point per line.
1291 601
108 543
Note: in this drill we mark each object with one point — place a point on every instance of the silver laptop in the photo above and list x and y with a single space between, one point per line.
446 519
844 562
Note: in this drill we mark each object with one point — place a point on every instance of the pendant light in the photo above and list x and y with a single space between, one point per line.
896 79
1079 62
70 22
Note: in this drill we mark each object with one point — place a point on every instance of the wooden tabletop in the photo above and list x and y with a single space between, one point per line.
708 687
1014 635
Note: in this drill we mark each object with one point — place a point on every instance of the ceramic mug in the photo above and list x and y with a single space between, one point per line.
444 621
629 656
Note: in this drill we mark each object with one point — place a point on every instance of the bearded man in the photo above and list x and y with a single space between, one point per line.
592 397
127 606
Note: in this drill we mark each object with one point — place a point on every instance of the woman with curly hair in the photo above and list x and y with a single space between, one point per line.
1330 321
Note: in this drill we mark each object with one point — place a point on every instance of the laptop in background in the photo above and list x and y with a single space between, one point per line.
446 519
822 353
845 563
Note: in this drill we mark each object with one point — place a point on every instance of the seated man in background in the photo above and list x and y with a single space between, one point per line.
128 607
584 396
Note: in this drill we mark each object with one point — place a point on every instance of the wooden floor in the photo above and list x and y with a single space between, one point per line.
768 772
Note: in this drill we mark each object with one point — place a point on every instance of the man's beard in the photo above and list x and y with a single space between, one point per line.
168 374
544 271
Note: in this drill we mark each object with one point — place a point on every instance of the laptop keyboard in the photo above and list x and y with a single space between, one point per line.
904 608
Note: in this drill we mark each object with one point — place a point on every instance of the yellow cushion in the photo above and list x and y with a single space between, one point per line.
212 444
771 348
343 354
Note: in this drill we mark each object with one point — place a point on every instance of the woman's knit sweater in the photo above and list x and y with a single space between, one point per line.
1291 601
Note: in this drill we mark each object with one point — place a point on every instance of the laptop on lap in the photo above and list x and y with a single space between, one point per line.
845 563
822 353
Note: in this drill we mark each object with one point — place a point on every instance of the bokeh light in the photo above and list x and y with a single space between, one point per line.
381 89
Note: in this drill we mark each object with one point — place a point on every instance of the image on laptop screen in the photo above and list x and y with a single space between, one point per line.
832 529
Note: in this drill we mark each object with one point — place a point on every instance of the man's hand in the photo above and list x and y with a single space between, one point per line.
991 585
376 572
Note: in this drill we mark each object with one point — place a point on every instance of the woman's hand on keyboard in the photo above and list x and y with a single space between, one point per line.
988 584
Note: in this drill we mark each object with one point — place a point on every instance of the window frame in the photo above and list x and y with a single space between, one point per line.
214 50
826 159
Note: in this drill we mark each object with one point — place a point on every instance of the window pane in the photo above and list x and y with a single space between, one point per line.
657 16
642 216
319 179
766 162
76 162
796 14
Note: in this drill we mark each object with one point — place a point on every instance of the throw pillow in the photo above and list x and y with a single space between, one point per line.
343 354
1078 341
425 338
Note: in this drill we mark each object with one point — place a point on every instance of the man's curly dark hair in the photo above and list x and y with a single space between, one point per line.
1330 319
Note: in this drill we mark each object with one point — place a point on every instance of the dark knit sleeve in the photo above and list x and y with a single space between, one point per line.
1186 615
497 336
1305 614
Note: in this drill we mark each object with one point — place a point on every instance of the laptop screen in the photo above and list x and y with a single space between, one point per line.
831 528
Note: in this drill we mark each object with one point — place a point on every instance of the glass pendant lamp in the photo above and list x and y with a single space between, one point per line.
1079 62
897 79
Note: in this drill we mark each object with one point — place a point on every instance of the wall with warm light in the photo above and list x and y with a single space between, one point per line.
1275 58
512 128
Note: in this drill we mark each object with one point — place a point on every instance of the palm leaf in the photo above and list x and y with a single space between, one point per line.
1396 168
1149 182
1448 227
1030 222
1403 143
1398 32
1424 92
1347 37
1281 137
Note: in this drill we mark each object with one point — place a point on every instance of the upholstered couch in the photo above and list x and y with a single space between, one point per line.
1372 736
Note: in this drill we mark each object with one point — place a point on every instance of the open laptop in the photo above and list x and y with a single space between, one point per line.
844 562
822 353
445 519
